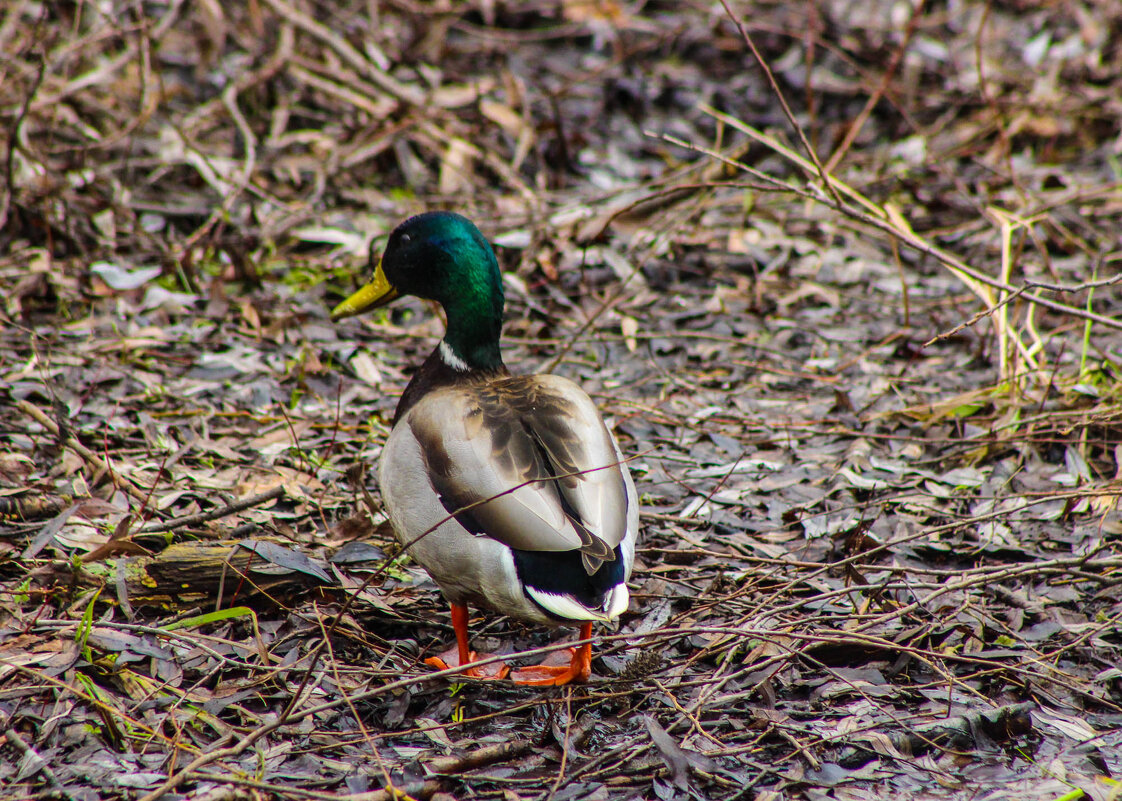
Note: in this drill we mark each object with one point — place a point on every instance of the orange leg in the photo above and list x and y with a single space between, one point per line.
462 655
578 669
460 624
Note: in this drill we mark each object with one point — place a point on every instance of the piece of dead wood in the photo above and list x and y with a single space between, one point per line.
960 731
206 573
489 755
214 514
34 507
423 790
448 765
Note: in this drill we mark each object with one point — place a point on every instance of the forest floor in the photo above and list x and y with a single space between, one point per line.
872 399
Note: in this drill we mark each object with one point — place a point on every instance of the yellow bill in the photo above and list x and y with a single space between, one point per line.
377 293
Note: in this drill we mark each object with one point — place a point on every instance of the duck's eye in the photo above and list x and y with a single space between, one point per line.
406 239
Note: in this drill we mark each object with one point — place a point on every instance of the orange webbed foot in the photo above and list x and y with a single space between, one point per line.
551 675
561 667
451 659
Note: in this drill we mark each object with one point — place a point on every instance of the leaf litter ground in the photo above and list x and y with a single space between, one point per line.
874 421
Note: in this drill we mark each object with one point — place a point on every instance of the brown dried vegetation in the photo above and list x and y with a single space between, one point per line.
872 397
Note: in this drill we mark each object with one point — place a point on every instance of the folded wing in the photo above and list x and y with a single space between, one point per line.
528 462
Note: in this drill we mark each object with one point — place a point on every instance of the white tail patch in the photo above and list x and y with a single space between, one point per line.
618 601
567 607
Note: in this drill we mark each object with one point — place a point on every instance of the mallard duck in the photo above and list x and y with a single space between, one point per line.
508 489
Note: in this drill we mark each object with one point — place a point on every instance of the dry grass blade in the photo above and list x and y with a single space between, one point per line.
843 280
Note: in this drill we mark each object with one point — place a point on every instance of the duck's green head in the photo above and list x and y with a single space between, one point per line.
442 256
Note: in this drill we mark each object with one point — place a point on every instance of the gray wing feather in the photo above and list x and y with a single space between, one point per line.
529 460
